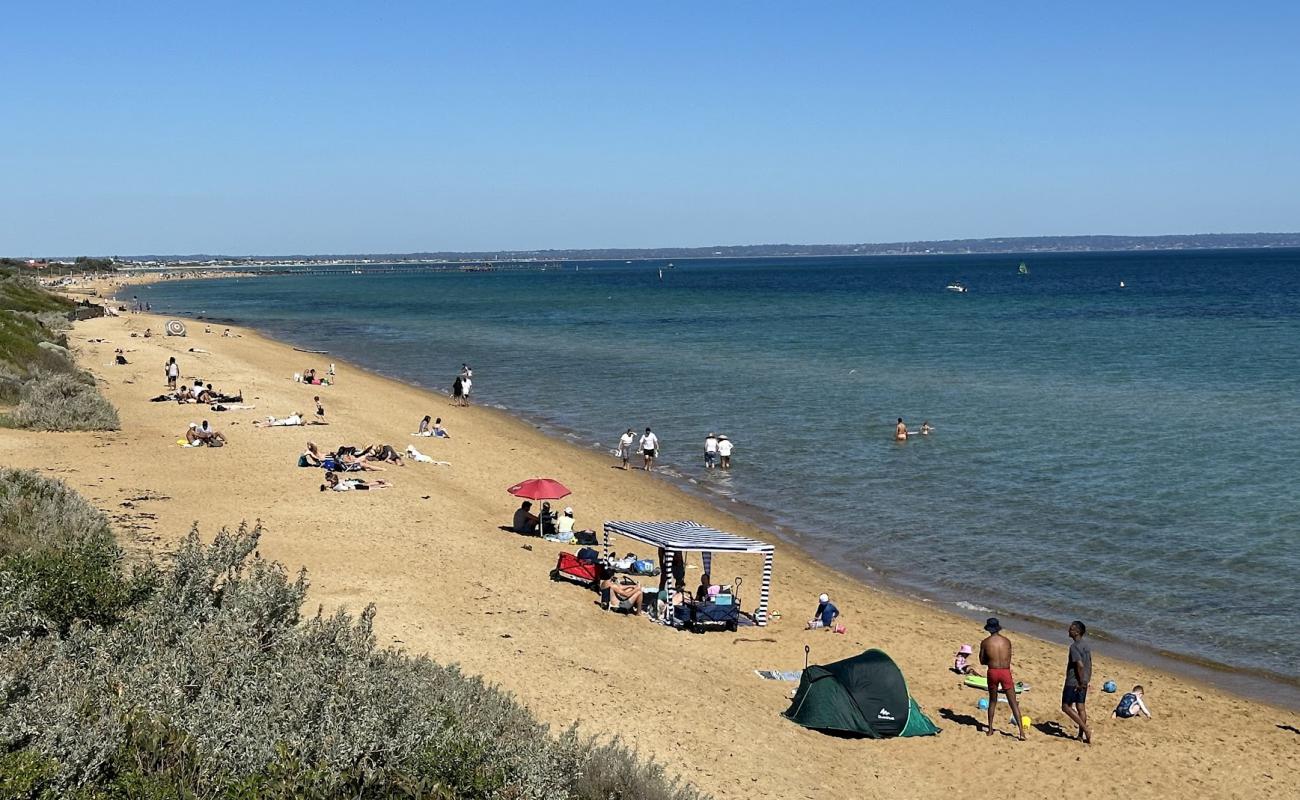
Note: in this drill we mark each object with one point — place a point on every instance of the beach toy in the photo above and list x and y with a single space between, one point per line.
983 704
1109 686
1026 721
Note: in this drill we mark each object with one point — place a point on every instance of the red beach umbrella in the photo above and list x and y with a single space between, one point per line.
539 489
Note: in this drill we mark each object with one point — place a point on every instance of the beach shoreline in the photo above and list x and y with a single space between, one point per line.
1252 684
500 617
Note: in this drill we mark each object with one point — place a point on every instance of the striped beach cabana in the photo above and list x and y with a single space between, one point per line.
687 536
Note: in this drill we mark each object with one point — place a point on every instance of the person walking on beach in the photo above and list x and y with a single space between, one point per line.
625 446
710 451
320 411
173 371
649 449
457 390
724 452
995 653
900 431
1078 674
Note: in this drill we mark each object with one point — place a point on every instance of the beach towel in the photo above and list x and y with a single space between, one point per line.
790 676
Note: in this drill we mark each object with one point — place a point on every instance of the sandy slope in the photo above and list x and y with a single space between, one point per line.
449 583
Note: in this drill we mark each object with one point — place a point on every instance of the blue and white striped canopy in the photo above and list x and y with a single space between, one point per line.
687 535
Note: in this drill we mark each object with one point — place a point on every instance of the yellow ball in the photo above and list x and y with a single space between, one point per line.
1025 721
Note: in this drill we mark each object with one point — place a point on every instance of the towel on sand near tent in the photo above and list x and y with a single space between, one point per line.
778 675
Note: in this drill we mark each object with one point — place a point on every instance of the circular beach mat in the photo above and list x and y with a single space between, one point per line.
175 328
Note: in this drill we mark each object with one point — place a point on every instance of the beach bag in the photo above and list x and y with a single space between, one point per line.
587 554
585 537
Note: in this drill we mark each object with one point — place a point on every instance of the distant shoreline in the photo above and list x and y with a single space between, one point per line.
1024 245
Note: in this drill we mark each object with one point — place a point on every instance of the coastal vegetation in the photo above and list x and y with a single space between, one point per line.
37 373
203 678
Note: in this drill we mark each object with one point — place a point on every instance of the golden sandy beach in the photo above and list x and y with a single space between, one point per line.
450 583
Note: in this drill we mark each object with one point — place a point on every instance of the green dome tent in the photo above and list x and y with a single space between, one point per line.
861 696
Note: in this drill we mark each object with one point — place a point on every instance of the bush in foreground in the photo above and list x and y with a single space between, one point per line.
63 402
214 687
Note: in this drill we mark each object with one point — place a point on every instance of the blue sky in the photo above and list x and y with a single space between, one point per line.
394 127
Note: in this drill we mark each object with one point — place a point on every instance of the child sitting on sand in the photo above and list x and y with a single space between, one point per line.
825 615
1131 705
960 665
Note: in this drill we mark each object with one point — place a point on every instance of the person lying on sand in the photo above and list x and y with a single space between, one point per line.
334 483
350 463
385 453
293 420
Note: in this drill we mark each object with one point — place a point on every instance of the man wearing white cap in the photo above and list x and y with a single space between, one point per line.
825 614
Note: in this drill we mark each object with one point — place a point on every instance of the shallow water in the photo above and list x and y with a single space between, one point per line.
1123 456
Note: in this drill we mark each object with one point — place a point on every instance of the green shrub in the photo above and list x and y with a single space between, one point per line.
62 402
215 686
59 561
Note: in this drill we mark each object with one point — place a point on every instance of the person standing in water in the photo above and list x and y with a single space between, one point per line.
724 452
995 653
710 451
900 431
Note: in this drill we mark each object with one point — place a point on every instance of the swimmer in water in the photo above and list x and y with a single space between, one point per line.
900 431
926 428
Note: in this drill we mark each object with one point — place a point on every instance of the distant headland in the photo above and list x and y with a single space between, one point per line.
1010 244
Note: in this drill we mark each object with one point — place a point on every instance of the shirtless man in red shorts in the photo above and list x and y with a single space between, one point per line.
995 653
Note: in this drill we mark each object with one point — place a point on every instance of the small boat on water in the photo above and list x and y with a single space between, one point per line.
957 287
1024 270
316 352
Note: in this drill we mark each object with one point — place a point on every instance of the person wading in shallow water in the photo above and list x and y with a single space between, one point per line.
995 653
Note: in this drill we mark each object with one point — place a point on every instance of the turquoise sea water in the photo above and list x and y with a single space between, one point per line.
1123 456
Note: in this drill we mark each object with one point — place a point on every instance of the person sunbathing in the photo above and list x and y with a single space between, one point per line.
384 453
351 463
184 395
334 483
290 421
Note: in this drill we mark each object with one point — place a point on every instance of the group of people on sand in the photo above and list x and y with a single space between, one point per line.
204 435
995 654
433 428
350 458
546 523
462 386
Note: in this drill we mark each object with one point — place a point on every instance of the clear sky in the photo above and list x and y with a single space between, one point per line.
276 127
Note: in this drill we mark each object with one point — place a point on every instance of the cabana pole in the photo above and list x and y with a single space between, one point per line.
760 616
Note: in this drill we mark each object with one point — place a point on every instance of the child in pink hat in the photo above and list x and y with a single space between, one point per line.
960 665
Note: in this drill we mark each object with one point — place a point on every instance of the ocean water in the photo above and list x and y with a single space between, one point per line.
1128 457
